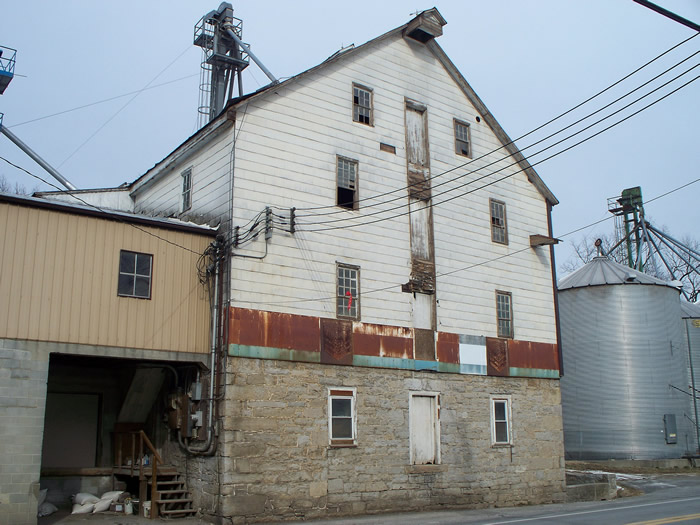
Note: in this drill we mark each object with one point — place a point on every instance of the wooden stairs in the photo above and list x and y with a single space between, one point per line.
174 500
160 484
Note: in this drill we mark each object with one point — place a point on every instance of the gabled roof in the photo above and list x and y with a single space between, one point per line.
423 27
603 271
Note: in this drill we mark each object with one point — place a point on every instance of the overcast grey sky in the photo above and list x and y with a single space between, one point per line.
529 60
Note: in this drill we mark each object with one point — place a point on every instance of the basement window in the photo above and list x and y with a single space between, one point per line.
348 291
504 312
500 421
499 231
346 172
361 104
342 430
187 189
462 142
135 271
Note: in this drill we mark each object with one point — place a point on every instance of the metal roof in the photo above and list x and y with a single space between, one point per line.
603 271
95 211
690 310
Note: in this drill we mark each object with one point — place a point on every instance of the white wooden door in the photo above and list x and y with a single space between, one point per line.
422 416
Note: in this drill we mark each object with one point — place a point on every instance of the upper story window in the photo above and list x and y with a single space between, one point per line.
135 271
501 421
348 291
462 139
187 189
361 104
341 417
504 313
499 231
346 170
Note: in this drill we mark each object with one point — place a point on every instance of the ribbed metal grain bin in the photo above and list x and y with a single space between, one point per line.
623 354
691 327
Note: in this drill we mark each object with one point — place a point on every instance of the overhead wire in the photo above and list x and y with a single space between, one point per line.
507 156
116 97
434 203
123 107
541 126
107 214
464 268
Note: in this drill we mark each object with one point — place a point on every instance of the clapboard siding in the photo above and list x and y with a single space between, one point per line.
286 144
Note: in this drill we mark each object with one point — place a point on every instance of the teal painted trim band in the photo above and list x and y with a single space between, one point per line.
534 372
437 366
479 370
383 362
283 354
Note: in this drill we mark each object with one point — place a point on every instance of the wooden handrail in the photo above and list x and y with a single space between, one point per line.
155 460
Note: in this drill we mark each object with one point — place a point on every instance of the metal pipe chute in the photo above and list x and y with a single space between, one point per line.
36 158
245 48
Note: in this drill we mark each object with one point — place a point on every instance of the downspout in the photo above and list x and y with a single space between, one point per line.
555 291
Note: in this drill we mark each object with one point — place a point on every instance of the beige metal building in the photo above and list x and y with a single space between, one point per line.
100 313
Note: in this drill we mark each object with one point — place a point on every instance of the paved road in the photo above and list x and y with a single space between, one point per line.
667 499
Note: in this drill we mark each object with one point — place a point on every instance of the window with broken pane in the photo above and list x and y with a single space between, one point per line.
462 141
361 105
347 183
504 310
499 232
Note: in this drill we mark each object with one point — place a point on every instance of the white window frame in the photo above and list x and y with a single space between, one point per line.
357 105
436 424
341 302
127 272
186 189
342 392
459 140
499 225
499 318
497 399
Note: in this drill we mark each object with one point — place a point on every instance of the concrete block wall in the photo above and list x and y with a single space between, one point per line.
23 376
276 462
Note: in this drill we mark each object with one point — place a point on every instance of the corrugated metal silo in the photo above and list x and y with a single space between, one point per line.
691 325
624 365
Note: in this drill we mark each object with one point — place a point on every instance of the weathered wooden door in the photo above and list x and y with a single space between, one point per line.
421 222
423 417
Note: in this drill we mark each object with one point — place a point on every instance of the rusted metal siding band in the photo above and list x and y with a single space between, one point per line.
447 348
527 354
276 330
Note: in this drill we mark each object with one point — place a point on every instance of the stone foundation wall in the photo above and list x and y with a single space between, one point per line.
276 461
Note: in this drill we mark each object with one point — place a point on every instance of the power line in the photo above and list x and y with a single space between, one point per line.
122 108
138 91
527 147
432 204
468 267
107 214
529 132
